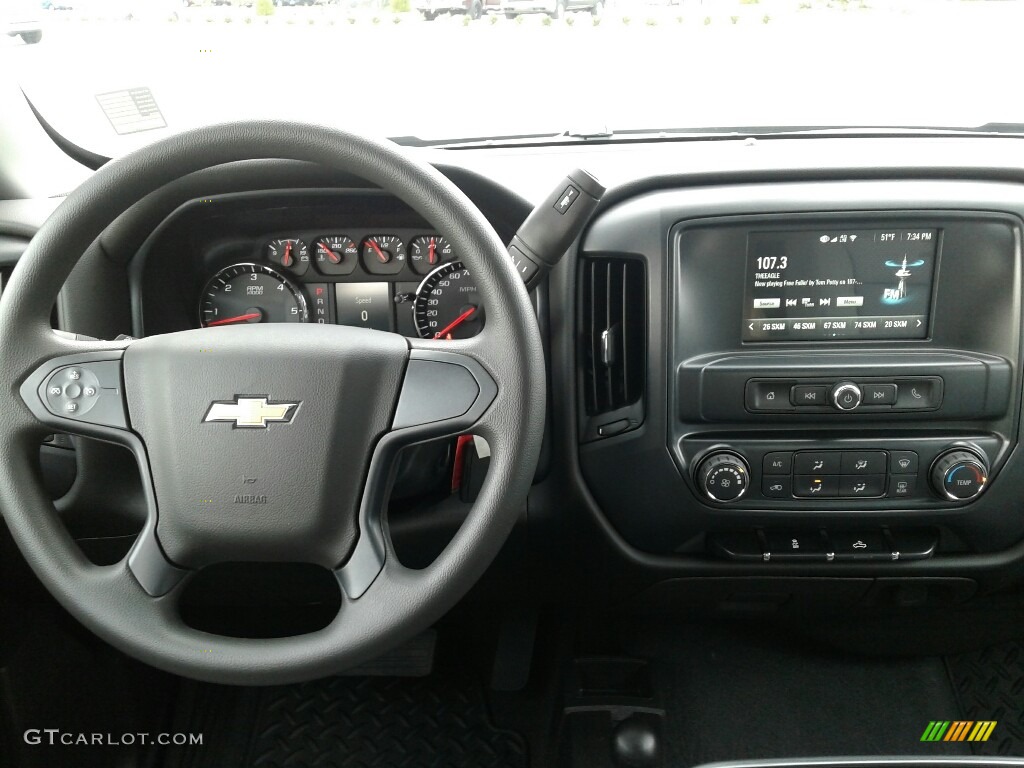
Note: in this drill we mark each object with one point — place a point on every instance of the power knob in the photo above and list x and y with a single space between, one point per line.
723 476
846 396
959 475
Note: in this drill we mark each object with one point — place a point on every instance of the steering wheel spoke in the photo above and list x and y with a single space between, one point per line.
82 393
444 393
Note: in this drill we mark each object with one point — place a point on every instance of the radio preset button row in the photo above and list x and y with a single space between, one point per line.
918 393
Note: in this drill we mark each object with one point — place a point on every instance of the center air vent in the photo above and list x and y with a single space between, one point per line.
613 296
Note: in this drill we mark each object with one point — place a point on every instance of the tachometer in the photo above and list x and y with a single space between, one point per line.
447 304
251 293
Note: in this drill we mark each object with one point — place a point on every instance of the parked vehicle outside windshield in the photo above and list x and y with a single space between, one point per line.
111 75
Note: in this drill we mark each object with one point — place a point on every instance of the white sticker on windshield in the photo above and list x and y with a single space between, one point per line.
132 110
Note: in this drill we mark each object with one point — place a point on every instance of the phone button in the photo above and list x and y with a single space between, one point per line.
918 394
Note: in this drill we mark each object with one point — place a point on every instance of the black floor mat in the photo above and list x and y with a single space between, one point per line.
728 692
367 722
990 686
735 695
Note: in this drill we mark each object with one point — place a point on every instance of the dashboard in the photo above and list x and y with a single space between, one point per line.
827 361
808 369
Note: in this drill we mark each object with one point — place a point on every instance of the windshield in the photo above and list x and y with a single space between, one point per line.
111 75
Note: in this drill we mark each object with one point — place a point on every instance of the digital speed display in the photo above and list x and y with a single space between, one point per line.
839 284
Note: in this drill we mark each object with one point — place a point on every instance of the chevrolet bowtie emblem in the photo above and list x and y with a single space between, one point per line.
252 412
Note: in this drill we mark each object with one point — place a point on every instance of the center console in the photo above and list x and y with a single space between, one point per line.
805 338
822 358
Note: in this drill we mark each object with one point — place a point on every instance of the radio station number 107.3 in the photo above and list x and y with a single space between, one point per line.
772 262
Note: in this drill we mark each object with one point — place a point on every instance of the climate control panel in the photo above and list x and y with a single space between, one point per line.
839 474
924 472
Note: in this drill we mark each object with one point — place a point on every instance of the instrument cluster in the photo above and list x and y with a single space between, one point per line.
406 282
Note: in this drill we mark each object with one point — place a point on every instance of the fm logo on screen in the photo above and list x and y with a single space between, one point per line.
898 294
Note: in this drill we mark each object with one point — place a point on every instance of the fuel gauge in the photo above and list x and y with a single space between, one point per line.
383 254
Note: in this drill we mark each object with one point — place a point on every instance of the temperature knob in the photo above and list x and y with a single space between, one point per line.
959 475
723 476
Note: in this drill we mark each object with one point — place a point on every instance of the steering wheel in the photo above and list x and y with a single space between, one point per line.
265 442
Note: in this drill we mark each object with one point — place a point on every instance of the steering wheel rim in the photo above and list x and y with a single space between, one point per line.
380 609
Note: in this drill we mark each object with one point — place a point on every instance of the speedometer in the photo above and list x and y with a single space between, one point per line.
447 304
251 293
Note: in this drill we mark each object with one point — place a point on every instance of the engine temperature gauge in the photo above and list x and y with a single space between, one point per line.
335 255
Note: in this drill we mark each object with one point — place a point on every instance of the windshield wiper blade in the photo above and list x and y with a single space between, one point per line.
606 135
483 141
593 132
1006 128
764 131
570 136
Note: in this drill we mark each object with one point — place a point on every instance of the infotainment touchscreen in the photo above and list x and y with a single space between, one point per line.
839 284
